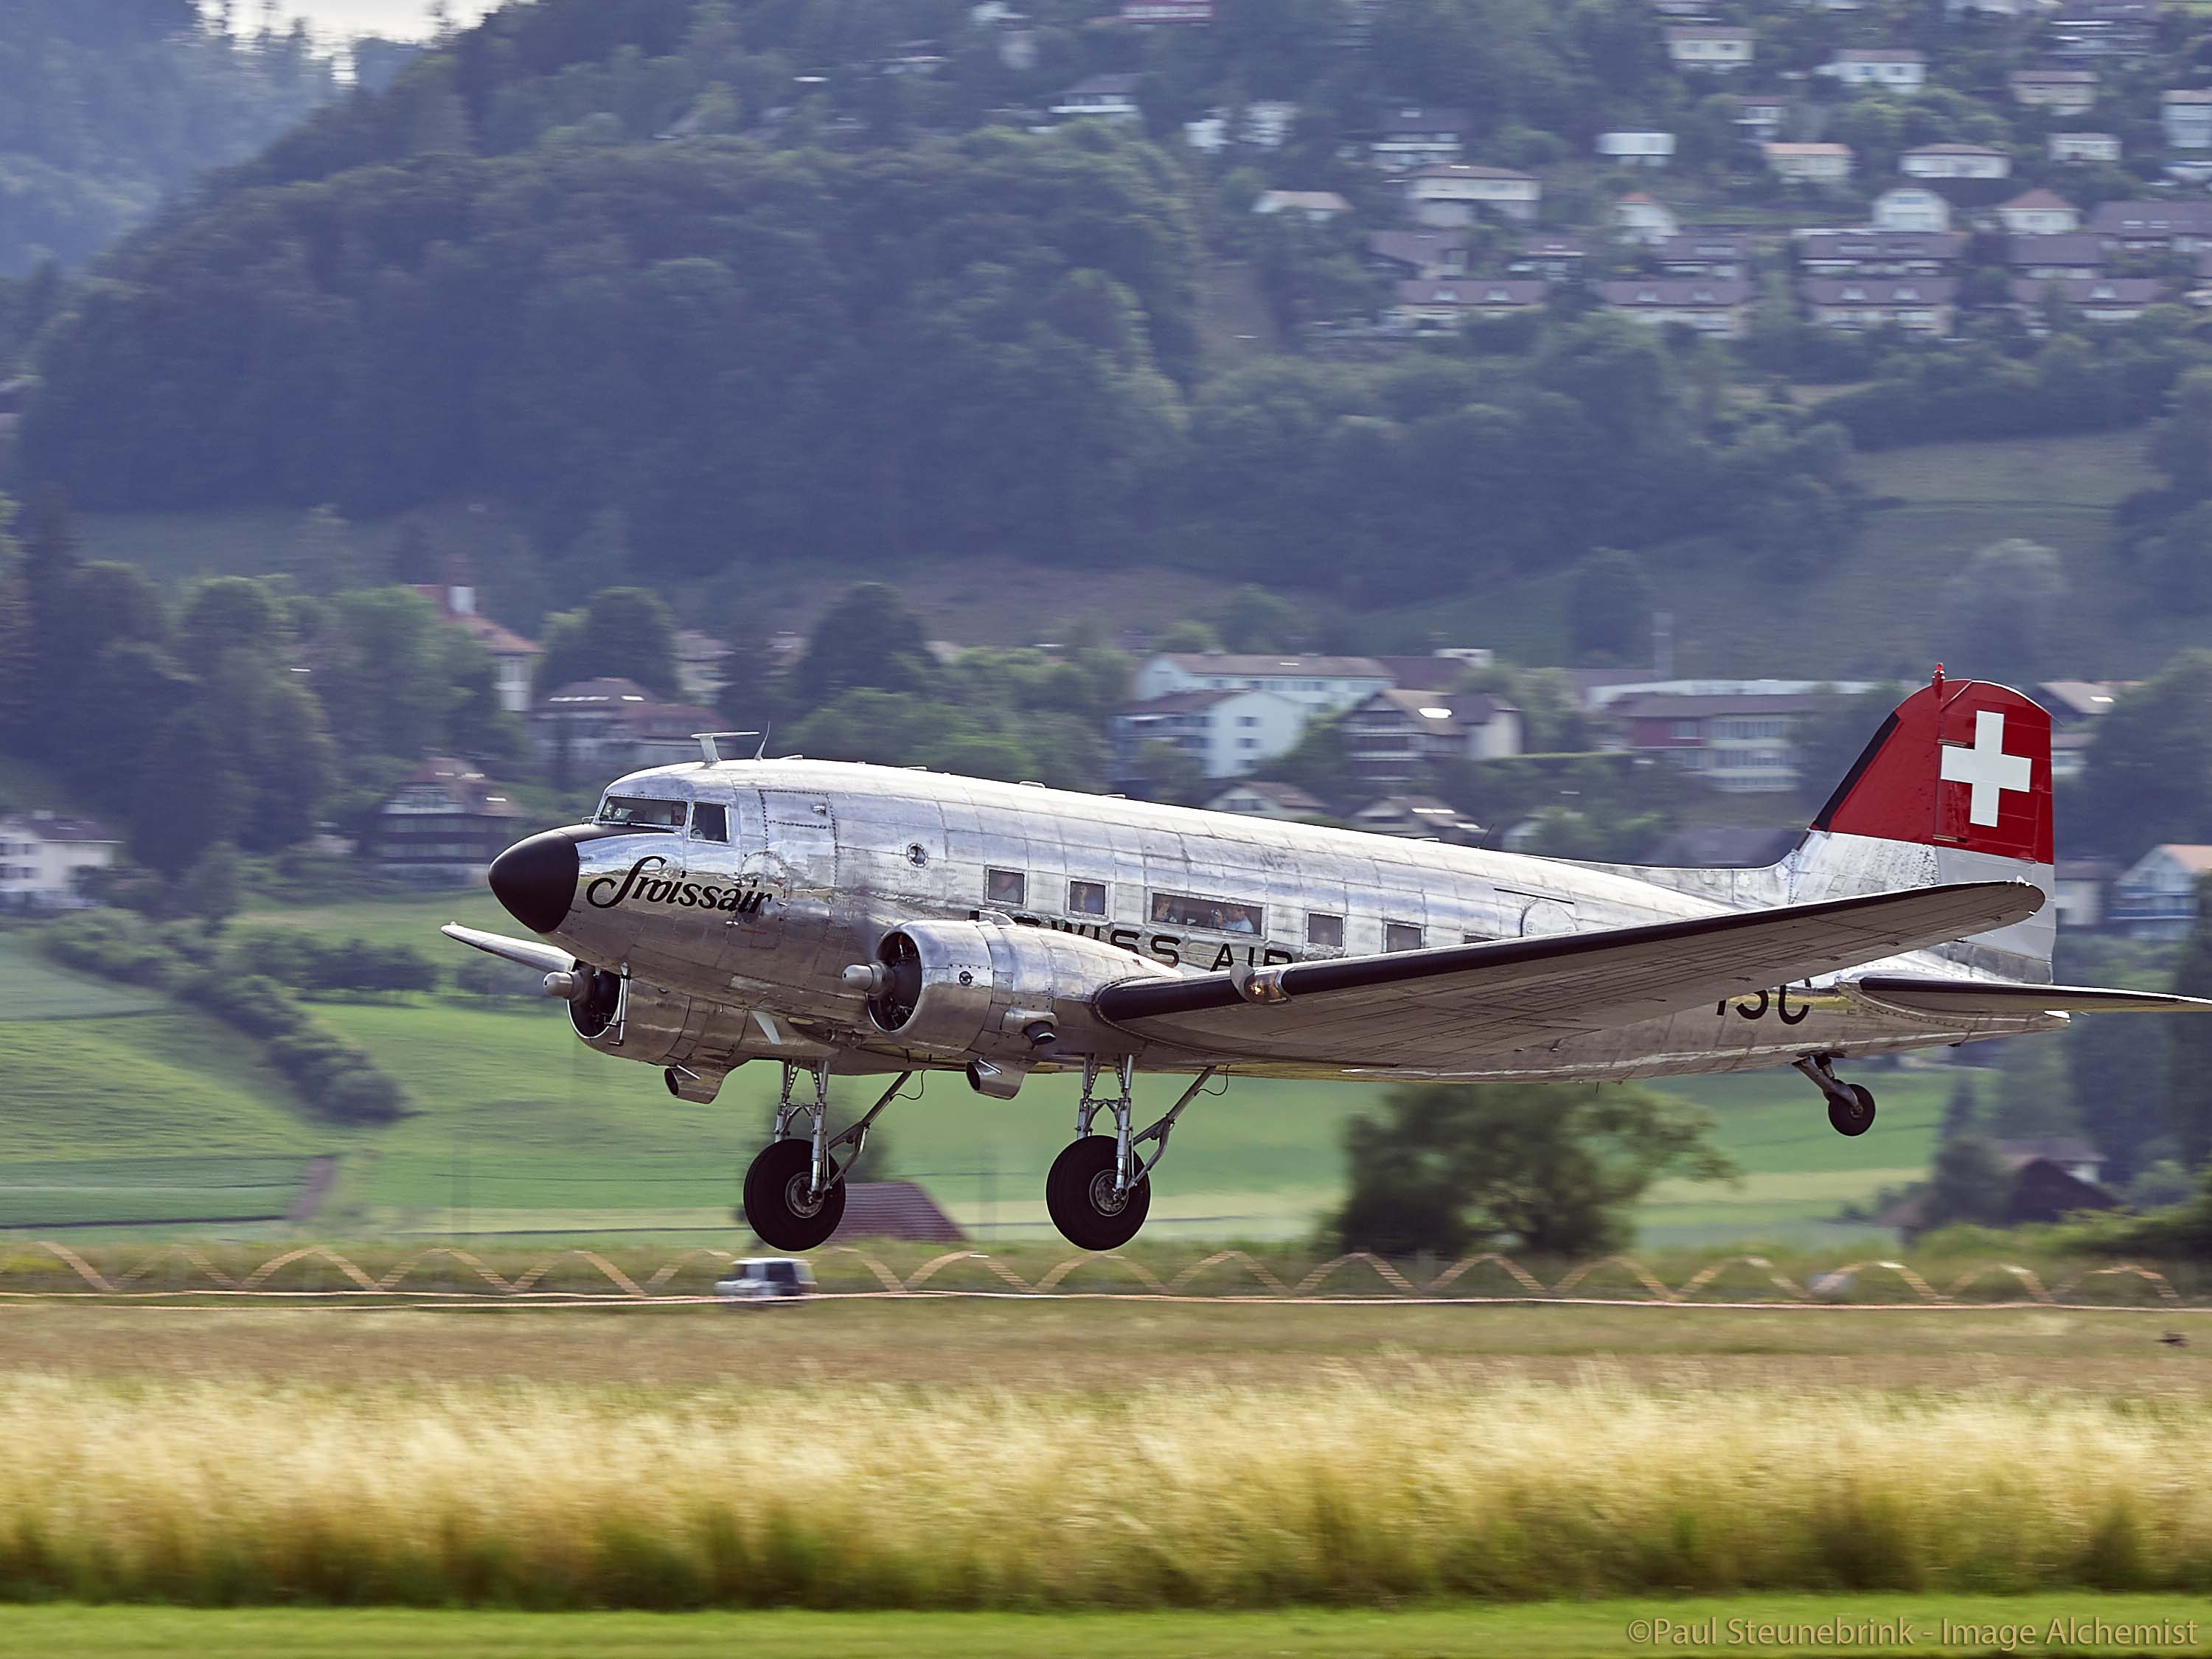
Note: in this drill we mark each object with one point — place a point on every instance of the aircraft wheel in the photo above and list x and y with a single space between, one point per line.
1080 1194
1855 1118
776 1202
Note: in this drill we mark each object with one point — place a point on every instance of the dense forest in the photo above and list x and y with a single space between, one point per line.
109 107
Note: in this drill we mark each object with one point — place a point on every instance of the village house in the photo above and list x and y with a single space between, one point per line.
444 822
1440 305
1917 305
1709 48
1911 208
1417 818
1101 98
514 657
2077 708
2038 213
1286 803
1740 742
1636 149
2156 897
2078 886
1417 136
2085 147
2186 112
2061 91
2094 299
592 729
1146 13
1395 736
2141 227
1705 253
1717 305
1455 192
2087 31
1760 116
1322 684
1405 255
1878 253
1884 69
1227 732
1556 258
1820 166
2040 258
1954 161
1638 218
45 857
1263 124
1315 207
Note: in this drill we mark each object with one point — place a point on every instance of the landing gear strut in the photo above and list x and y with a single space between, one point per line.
795 1189
1850 1105
1100 1188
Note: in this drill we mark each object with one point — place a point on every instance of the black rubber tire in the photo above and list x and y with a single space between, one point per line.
1856 1118
775 1195
1083 1175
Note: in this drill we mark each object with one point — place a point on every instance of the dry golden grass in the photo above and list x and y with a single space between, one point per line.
1338 1488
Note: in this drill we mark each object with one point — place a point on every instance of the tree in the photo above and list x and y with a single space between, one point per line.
2181 445
2004 605
214 887
1958 1110
2118 1065
1555 1168
1161 771
2150 771
1831 737
624 633
1253 620
869 639
1969 1183
321 558
2189 1092
1609 609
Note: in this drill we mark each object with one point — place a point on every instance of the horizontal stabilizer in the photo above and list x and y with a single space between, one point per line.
1967 997
544 957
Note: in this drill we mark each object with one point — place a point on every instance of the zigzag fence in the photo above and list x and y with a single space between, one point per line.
185 1271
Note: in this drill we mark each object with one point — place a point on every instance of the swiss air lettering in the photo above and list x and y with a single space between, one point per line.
642 883
1173 948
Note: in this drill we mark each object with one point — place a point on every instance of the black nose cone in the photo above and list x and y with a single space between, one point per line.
536 880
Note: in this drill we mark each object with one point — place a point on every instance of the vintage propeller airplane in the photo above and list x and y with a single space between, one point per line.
836 917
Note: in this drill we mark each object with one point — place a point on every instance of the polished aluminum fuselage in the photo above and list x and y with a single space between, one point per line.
825 857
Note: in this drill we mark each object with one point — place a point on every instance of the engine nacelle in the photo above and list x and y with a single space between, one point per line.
632 1020
997 990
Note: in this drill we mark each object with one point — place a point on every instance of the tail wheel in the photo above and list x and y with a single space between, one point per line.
1855 1117
1080 1194
778 1204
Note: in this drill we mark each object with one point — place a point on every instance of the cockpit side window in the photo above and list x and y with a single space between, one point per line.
636 812
710 821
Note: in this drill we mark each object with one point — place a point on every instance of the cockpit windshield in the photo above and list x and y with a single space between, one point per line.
636 812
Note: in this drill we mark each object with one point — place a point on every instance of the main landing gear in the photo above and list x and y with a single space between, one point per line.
1100 1188
795 1189
1850 1105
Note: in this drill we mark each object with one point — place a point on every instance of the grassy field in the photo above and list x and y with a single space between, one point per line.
1880 611
1599 1630
520 1129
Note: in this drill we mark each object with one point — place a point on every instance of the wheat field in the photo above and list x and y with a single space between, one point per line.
1342 1490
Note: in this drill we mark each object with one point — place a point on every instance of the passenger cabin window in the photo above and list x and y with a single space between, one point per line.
636 812
1086 898
1325 933
1212 915
1006 887
1401 936
710 821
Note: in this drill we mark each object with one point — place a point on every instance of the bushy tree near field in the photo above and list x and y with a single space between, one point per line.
1554 1168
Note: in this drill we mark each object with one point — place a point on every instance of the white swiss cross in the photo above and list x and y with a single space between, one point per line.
1986 768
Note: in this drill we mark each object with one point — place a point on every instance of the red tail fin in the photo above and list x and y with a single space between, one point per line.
1961 764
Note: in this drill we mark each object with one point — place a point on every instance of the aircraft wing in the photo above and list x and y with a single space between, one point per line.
544 957
1437 1009
1972 998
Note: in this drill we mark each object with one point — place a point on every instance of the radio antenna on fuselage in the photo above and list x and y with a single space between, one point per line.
709 744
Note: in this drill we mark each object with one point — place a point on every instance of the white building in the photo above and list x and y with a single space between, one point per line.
1717 305
2156 898
1419 135
1324 684
1101 98
42 856
1638 218
1709 48
2085 147
1226 733
1825 165
1886 69
2062 92
515 658
1636 149
1315 207
1284 802
2186 114
2039 213
1954 161
1455 193
1430 307
1917 305
1913 208
1263 124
